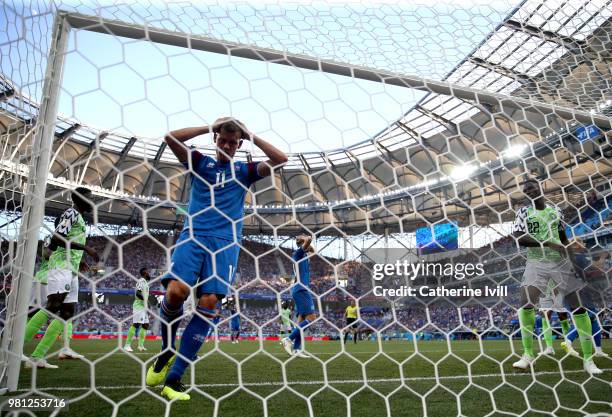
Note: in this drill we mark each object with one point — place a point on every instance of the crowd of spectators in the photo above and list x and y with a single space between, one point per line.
265 270
441 319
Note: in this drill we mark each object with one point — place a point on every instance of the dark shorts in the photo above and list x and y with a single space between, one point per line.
351 323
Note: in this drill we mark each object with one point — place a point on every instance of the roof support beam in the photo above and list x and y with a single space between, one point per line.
148 185
575 46
6 94
124 153
388 155
450 125
93 144
66 134
524 79
500 69
335 173
304 162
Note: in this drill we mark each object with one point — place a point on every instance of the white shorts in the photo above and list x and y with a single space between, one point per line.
552 302
38 296
285 328
538 274
140 316
62 281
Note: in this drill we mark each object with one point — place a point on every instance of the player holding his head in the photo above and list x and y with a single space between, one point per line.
140 315
538 227
234 322
285 319
351 321
301 296
206 254
68 246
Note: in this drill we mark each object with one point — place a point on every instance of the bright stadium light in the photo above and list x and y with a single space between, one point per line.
514 151
462 172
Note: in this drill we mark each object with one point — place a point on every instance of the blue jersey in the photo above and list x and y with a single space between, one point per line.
301 269
225 185
235 321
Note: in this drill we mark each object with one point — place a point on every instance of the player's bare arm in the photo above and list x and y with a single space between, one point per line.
177 138
276 157
60 240
306 241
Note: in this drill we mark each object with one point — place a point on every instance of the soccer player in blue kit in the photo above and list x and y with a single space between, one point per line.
300 292
234 322
206 253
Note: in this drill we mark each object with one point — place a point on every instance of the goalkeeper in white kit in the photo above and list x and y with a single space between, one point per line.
140 316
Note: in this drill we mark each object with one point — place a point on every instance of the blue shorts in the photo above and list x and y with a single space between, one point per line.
303 302
235 325
209 271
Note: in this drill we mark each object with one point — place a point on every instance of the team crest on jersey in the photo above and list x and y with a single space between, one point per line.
210 165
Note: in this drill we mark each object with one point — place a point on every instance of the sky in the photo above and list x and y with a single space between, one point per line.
145 89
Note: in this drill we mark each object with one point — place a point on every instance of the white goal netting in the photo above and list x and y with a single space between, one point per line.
470 140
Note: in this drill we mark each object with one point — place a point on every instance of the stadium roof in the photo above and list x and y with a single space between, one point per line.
447 158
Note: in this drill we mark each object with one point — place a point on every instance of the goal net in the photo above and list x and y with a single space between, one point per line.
406 213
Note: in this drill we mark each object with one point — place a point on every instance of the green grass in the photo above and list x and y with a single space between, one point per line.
370 379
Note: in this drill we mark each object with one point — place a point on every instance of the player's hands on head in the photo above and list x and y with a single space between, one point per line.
216 126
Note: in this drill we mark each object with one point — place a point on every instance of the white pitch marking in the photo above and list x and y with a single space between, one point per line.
340 381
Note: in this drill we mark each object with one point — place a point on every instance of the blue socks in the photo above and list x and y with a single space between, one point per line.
168 313
295 335
573 334
191 342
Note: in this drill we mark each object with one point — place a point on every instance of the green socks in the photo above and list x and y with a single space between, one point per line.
527 321
37 321
547 332
130 335
141 337
565 326
68 334
584 329
55 329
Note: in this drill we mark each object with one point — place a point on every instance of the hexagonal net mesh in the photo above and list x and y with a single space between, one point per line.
312 209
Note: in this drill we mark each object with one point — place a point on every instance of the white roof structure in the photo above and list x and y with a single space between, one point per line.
446 158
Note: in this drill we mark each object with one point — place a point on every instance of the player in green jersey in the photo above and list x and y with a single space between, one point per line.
285 319
140 316
68 246
38 316
539 228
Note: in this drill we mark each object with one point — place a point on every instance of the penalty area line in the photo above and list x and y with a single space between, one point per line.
332 382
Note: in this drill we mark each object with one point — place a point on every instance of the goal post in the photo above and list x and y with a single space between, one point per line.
411 196
22 266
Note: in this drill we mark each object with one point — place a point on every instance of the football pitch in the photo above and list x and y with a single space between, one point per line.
370 379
